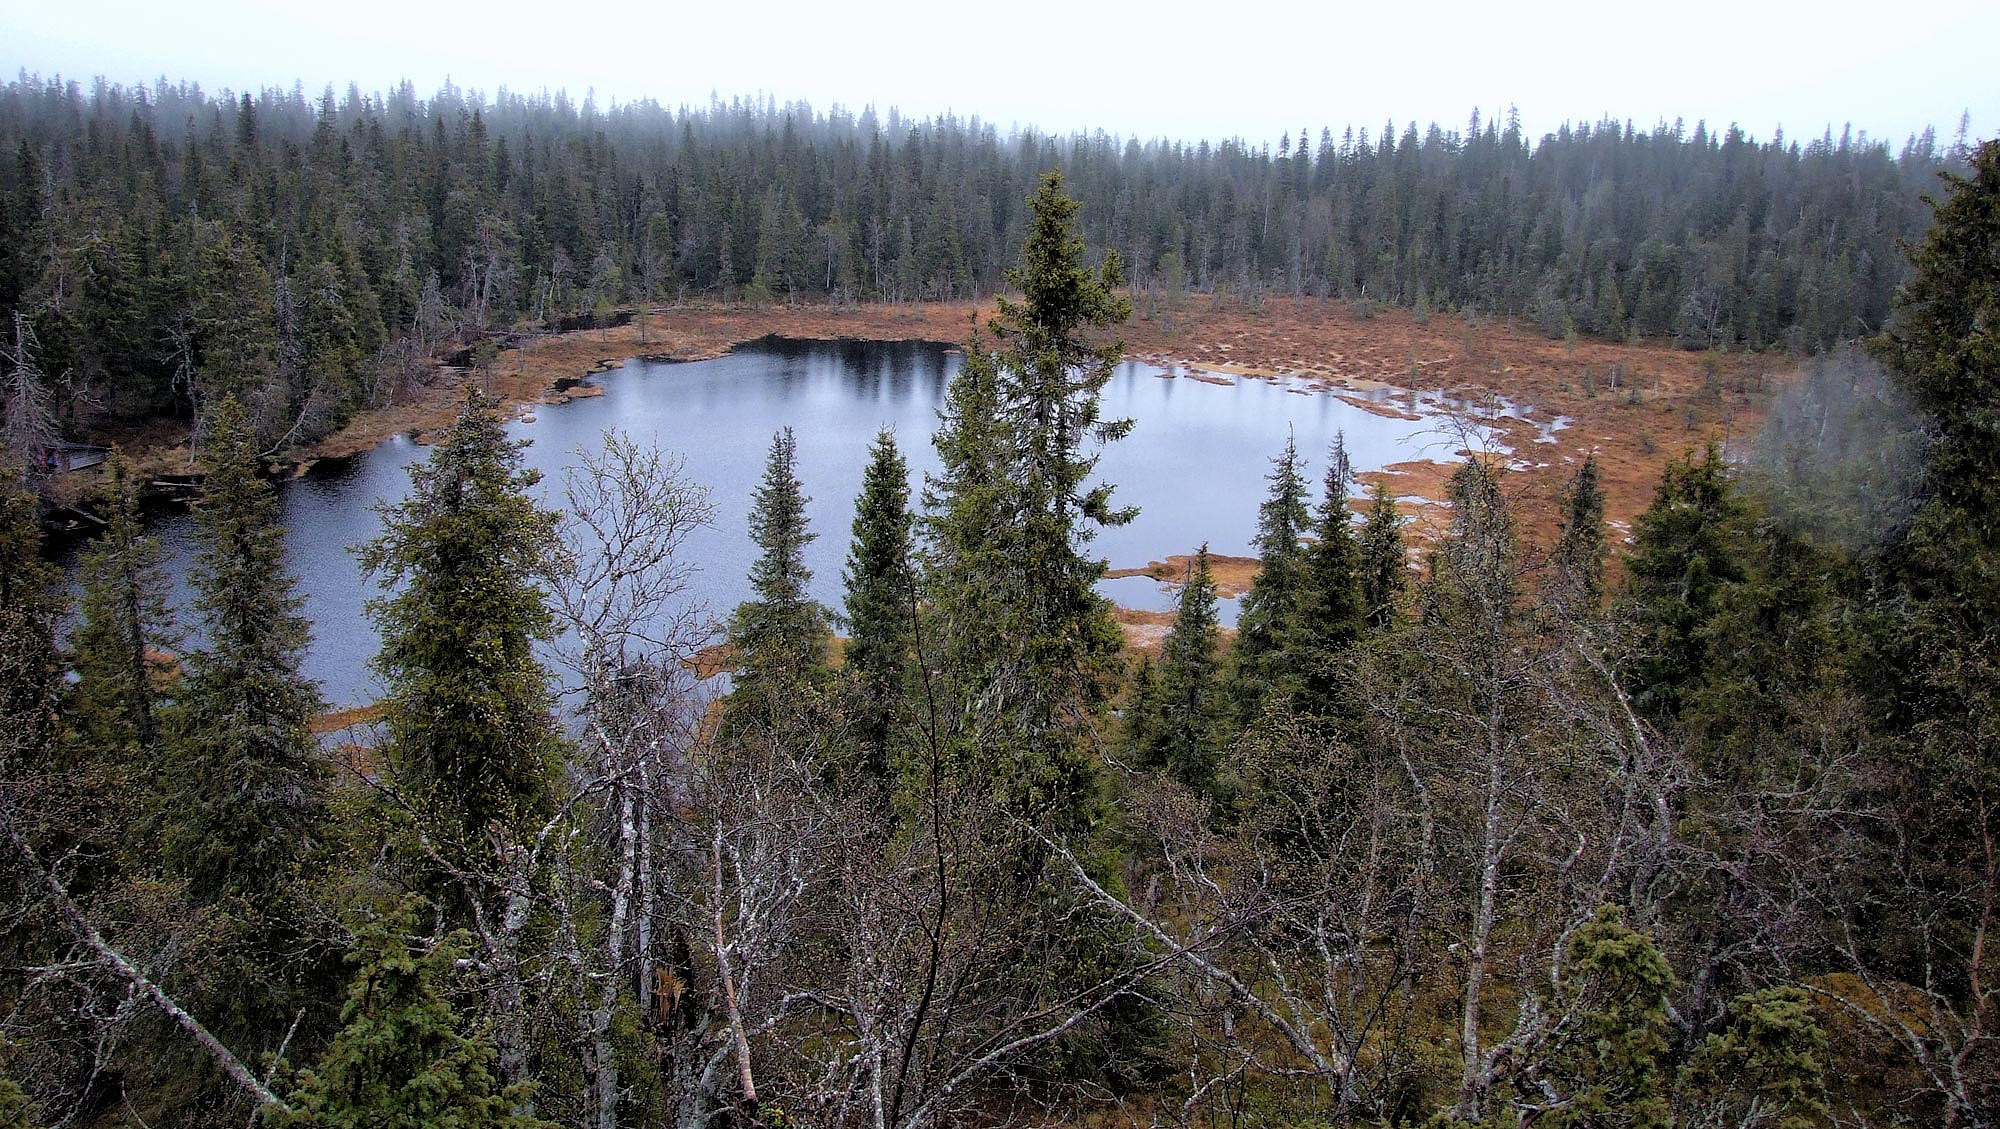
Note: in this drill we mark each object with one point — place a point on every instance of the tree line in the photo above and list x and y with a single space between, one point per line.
165 247
1493 832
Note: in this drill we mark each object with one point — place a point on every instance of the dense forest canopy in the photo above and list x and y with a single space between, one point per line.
167 246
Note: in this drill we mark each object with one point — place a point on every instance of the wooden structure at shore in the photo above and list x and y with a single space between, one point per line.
58 458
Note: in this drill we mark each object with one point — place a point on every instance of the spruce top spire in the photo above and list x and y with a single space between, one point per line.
782 633
1059 293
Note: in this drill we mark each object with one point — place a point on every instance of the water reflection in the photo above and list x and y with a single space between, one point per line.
1194 465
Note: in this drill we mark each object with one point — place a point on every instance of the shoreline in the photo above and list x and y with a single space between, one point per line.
1311 347
1632 405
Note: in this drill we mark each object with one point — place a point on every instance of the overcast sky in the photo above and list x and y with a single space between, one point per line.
1161 69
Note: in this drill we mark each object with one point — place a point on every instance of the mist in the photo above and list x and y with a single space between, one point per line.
1841 453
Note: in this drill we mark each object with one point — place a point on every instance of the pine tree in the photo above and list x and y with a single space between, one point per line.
781 636
881 600
1385 569
244 784
1273 608
403 1058
468 716
121 648
1189 712
1335 612
1579 553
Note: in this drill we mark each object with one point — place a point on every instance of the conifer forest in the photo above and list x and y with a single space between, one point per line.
1509 812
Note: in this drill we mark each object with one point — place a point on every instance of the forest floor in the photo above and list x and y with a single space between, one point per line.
1634 405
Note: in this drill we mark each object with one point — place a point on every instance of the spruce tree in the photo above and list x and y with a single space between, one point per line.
1142 710
1051 378
16 1110
1029 652
1335 612
1189 713
968 524
121 649
470 731
32 605
1268 630
28 421
244 787
881 601
1935 669
1385 568
1687 550
403 1058
1578 561
1606 1060
1026 634
233 310
781 635
1943 349
1473 585
1767 1061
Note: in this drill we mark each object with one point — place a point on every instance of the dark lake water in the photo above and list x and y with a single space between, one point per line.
1194 465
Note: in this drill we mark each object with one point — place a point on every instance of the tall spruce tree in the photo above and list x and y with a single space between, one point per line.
471 735
1385 565
1936 668
1335 610
244 784
1274 607
121 649
1051 375
1029 652
1943 350
782 634
881 601
1026 633
1188 712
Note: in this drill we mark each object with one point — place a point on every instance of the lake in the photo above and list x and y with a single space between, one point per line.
1194 465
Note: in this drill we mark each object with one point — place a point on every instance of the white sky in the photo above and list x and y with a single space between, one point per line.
1176 69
